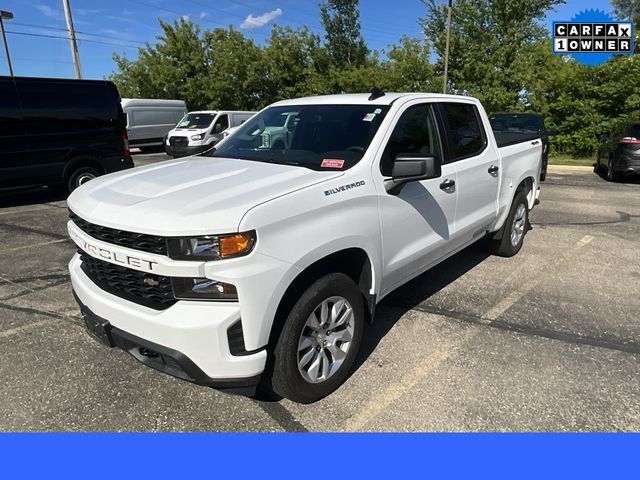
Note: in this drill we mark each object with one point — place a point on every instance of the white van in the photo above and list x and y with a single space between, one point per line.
148 121
199 131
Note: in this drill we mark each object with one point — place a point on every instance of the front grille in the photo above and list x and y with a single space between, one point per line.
129 284
179 141
136 241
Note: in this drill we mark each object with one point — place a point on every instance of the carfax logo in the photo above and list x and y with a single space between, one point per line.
592 37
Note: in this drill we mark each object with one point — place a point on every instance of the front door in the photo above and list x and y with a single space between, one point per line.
418 222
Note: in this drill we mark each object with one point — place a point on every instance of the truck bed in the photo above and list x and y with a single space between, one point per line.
504 138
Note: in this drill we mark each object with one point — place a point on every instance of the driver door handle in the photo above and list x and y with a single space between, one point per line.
447 184
493 169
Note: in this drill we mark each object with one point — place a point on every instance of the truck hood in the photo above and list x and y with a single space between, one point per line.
193 195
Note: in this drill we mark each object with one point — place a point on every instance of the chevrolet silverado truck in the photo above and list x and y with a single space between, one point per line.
256 270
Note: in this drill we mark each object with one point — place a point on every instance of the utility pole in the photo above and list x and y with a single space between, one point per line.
446 52
72 38
6 16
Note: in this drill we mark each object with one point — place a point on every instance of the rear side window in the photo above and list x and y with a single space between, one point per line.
155 117
10 121
62 105
634 131
464 130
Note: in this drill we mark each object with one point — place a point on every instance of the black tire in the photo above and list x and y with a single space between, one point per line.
80 176
286 379
612 176
596 166
502 244
278 146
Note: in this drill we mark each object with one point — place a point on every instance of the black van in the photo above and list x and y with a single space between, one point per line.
60 132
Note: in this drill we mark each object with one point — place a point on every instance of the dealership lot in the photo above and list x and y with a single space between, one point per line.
546 340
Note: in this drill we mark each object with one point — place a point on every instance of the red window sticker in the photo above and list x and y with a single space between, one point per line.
332 163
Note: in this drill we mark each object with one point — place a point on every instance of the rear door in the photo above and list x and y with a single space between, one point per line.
14 162
478 169
418 222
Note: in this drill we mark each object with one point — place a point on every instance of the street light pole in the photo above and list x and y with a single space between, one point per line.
72 38
6 16
446 52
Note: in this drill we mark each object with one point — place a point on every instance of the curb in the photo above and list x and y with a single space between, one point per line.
569 168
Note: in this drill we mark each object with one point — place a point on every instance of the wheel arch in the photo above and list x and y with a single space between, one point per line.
354 262
79 161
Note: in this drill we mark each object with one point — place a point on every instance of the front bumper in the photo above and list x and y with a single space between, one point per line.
179 151
627 164
190 338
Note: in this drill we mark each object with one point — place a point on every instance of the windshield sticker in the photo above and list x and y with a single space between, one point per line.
332 163
369 117
343 188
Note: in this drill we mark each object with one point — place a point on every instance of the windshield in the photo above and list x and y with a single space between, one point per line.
517 123
196 120
319 137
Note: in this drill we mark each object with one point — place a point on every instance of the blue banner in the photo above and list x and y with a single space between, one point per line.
392 456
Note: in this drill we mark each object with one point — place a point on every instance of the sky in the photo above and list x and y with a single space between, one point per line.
38 45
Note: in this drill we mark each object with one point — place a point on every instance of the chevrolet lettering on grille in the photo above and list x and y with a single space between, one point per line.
114 257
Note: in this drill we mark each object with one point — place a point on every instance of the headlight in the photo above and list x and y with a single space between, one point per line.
212 247
200 136
202 289
266 140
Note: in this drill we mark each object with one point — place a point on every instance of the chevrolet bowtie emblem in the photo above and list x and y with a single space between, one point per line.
151 282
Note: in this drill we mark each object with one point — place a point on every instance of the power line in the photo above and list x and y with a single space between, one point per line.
42 35
108 37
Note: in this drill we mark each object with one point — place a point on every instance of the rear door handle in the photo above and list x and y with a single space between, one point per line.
493 169
447 184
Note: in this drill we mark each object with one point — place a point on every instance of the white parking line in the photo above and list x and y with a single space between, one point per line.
432 361
516 295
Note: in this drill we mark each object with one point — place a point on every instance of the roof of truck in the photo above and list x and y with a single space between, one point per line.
363 99
153 102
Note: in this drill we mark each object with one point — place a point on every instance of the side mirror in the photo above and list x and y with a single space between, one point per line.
410 167
552 131
217 128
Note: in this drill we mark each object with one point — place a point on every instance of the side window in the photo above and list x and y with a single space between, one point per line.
415 132
10 115
60 106
222 123
464 130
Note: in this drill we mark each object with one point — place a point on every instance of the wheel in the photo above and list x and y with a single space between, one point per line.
611 175
319 341
81 176
278 146
511 235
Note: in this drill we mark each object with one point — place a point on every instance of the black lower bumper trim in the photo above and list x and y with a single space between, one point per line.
176 152
159 357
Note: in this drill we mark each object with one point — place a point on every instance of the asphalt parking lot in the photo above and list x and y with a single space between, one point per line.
546 340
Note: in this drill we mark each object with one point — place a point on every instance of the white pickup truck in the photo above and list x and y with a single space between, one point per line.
256 269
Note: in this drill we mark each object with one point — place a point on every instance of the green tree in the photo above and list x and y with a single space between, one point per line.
487 38
295 64
626 9
169 69
233 71
408 68
341 22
